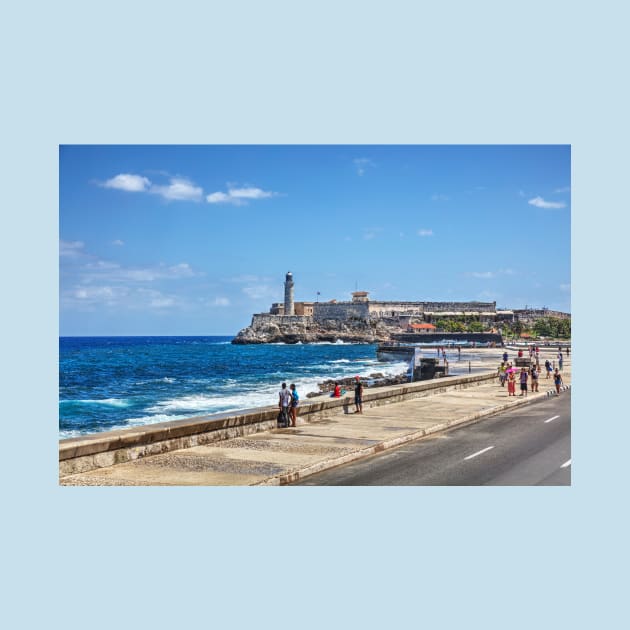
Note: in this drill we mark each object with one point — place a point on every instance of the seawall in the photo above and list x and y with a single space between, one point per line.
99 450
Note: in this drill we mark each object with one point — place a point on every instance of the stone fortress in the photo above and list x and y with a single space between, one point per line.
360 319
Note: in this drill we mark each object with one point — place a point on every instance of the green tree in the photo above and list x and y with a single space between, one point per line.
475 327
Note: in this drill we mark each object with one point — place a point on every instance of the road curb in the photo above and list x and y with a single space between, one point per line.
297 475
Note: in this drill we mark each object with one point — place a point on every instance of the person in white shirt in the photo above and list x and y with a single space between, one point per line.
284 403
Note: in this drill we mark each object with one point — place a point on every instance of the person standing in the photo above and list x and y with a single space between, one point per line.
295 401
523 379
548 368
284 403
534 375
358 395
557 380
560 357
505 357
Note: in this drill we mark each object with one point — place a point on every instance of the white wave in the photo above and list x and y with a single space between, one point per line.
341 361
110 402
167 379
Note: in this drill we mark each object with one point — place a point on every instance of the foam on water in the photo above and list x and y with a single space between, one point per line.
111 402
111 383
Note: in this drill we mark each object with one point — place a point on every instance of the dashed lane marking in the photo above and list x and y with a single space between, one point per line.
566 464
550 419
478 452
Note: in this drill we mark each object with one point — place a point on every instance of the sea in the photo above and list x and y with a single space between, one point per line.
108 383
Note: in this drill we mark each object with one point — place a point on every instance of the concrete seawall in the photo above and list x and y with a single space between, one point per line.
81 454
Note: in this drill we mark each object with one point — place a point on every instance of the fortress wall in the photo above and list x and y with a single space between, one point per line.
393 309
460 306
340 310
262 319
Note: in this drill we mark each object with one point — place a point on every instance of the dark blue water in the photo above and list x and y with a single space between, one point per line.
115 382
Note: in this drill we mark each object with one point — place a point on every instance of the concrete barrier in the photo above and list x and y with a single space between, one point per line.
77 455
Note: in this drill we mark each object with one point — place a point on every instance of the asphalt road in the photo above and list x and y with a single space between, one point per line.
530 445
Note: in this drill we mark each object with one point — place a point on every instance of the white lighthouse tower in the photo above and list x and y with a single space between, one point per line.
288 294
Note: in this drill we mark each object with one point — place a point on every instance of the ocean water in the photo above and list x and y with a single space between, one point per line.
110 383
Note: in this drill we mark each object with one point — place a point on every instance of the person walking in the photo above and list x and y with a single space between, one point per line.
548 368
523 379
295 401
358 395
557 380
511 382
560 357
284 403
505 357
501 370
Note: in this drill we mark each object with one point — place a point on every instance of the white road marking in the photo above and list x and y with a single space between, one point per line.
566 464
550 419
479 452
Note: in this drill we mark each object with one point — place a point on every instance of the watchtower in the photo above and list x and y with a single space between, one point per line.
288 294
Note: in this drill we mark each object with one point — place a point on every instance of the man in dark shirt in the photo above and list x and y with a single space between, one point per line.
358 395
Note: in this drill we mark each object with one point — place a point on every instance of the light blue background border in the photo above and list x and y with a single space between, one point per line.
277 72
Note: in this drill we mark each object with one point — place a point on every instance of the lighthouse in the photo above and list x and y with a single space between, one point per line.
288 294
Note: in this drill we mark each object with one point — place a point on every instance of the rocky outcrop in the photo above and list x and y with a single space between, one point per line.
273 330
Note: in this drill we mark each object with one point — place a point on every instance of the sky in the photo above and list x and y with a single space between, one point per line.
192 240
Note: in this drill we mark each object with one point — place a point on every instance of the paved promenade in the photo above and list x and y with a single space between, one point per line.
284 455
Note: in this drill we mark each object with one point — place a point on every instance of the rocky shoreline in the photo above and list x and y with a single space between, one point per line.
373 380
331 331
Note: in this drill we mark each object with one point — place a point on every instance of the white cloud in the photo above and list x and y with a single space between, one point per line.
424 232
128 182
218 197
221 301
491 274
161 302
103 270
70 249
370 233
118 242
179 189
539 202
250 193
361 164
99 293
261 291
239 196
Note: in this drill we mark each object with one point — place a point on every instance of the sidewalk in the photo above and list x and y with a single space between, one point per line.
284 455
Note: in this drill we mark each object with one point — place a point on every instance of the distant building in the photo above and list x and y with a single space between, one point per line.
401 314
421 328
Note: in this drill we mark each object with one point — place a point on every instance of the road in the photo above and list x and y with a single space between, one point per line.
530 445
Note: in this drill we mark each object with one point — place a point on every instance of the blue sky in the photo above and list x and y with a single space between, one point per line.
191 240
